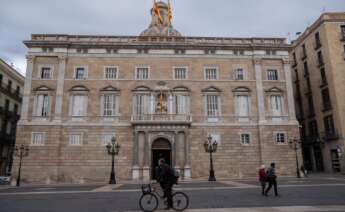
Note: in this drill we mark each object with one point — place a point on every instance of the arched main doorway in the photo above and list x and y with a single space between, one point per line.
161 148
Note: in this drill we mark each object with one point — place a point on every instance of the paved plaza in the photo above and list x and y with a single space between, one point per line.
317 193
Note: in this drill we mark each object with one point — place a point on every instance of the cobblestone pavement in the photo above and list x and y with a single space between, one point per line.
306 194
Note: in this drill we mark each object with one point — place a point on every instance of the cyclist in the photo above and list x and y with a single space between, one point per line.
166 179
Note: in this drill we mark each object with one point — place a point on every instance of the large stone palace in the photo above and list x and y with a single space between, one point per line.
160 94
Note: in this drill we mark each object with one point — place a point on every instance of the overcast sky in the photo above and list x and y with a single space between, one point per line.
232 18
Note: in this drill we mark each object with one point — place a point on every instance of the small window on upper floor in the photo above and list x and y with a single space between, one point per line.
272 74
245 139
211 73
37 139
180 73
9 85
142 73
80 73
317 40
280 138
1 77
239 74
110 72
46 73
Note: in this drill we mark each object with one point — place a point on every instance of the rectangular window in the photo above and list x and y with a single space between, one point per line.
320 58
323 76
245 139
329 125
110 72
212 107
9 85
211 74
142 73
239 74
317 40
311 105
304 51
37 139
313 130
276 105
46 73
106 138
342 27
242 105
294 58
109 104
75 139
180 73
272 74
306 69
1 77
142 104
280 138
42 105
181 104
326 100
17 90
80 73
79 105
15 109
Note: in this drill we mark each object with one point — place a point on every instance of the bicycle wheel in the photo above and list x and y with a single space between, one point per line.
180 201
148 202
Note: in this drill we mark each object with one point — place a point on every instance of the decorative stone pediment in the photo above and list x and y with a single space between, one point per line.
42 88
79 88
142 88
274 90
110 88
211 89
181 89
241 89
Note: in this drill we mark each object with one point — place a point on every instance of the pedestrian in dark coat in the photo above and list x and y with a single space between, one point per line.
272 180
166 179
262 178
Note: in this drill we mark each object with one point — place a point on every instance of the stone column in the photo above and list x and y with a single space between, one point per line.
176 152
187 171
259 90
289 89
59 89
146 168
27 87
135 170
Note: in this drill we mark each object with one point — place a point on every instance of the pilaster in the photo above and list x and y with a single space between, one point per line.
59 88
135 169
259 89
289 89
27 87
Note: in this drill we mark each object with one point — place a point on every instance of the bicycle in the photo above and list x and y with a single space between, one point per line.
149 199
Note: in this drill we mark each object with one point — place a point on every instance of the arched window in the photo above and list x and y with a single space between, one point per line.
212 103
242 103
42 101
78 101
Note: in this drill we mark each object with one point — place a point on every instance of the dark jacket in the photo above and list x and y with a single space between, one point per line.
271 173
165 174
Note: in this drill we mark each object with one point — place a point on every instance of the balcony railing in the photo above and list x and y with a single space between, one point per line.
159 118
14 93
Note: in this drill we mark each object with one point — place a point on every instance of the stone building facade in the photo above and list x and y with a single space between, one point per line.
11 89
160 94
318 64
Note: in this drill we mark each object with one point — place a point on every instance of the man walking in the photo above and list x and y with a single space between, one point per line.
272 180
166 178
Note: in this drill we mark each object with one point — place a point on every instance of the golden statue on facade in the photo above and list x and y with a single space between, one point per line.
162 104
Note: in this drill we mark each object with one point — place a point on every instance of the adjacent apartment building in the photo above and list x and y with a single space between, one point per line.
11 88
319 77
160 94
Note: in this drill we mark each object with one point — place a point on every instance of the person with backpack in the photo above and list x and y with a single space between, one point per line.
272 180
262 178
166 177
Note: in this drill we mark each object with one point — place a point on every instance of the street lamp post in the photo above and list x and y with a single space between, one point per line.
295 145
113 149
20 152
211 147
